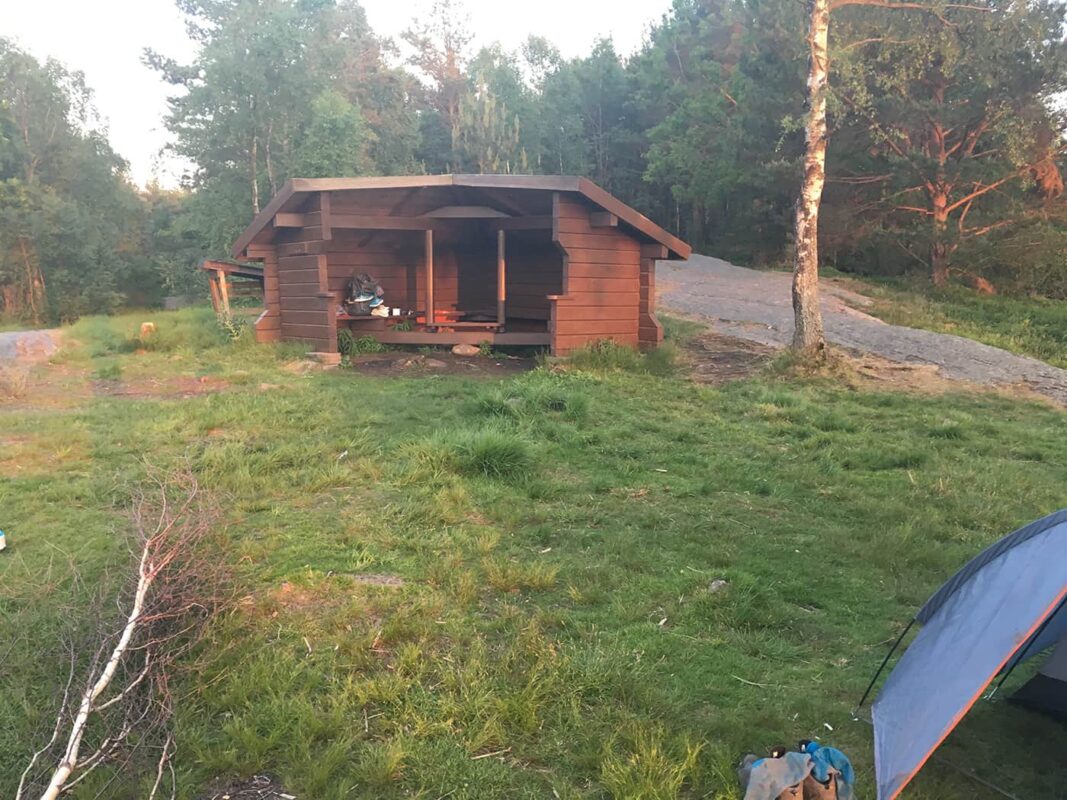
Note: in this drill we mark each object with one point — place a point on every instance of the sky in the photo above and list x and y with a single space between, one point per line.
105 40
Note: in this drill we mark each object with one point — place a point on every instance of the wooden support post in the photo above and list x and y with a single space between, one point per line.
501 278
216 303
324 209
428 248
224 291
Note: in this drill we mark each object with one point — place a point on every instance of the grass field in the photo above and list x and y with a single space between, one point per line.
501 587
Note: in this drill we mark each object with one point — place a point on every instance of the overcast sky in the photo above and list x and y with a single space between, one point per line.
105 40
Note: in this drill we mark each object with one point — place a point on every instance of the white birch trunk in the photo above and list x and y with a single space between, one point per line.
88 700
808 331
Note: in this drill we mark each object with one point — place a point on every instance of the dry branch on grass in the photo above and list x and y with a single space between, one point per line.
123 711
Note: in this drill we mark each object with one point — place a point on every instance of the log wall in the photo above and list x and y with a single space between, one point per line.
602 280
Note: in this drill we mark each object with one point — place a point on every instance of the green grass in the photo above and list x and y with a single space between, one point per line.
548 629
1031 326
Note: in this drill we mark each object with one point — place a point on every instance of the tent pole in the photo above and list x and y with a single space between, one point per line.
885 661
1026 649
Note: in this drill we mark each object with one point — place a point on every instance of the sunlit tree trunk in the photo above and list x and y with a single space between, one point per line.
808 329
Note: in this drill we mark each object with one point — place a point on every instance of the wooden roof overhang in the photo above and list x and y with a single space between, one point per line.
284 209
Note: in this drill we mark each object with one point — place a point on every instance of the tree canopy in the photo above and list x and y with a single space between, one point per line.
945 142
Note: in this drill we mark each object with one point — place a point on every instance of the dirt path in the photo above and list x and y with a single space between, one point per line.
757 306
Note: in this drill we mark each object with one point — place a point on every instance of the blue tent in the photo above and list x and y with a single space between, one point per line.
1004 606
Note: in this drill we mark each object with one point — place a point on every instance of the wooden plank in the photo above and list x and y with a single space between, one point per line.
288 277
626 313
305 331
293 317
224 293
654 251
601 251
601 240
611 283
299 290
216 300
297 262
539 222
603 219
587 267
607 300
289 221
300 249
464 212
386 182
600 327
394 336
373 222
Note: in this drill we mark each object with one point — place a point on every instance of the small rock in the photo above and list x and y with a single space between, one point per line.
465 350
434 363
717 585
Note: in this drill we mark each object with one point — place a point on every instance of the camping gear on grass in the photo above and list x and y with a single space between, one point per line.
1004 606
832 776
778 777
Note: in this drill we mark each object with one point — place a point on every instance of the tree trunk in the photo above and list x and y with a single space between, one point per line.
939 247
253 178
808 330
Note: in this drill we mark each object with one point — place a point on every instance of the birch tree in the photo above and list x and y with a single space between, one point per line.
808 334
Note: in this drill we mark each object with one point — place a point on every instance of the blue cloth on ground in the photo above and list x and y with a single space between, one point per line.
823 758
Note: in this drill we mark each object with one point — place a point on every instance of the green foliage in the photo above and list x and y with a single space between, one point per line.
349 345
490 452
606 355
336 140
71 227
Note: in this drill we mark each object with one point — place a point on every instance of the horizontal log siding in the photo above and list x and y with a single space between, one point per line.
650 332
305 314
602 287
269 325
534 271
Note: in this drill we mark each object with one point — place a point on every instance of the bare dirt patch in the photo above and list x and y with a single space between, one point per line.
715 359
178 387
406 364
256 787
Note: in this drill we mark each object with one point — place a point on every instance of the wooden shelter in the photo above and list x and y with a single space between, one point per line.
504 259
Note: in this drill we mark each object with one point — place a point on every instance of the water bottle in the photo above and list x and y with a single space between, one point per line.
3 540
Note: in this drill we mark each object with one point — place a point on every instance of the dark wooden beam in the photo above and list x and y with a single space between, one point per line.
428 257
501 278
522 223
654 251
603 219
324 211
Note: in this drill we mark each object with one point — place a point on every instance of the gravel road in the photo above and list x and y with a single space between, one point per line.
756 305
